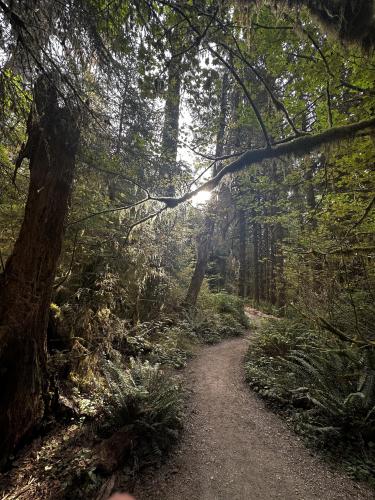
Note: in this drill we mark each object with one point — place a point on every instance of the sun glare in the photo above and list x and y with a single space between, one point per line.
201 198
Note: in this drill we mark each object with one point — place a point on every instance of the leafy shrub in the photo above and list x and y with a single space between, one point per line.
218 316
325 387
211 327
174 346
223 303
279 337
269 308
144 398
230 305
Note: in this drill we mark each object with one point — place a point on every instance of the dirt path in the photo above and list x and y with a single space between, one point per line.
234 448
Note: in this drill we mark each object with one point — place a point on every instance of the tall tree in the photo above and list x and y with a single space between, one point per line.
169 144
26 283
205 237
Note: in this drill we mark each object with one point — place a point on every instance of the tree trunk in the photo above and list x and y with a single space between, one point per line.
26 283
310 192
256 235
274 234
264 290
204 240
171 124
204 245
222 123
242 278
281 295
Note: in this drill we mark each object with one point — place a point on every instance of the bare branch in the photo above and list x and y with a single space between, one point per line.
262 26
210 157
194 181
118 174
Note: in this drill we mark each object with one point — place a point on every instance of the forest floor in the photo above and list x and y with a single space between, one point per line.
234 448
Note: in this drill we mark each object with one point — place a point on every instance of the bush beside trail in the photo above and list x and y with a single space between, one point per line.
322 386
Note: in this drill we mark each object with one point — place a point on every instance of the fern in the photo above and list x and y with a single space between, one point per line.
146 399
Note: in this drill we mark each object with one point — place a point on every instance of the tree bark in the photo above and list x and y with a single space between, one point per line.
264 293
222 123
310 192
169 144
204 245
242 278
26 283
256 237
204 240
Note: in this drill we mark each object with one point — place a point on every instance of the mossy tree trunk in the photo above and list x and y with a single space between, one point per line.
242 230
27 280
257 271
204 246
205 238
169 146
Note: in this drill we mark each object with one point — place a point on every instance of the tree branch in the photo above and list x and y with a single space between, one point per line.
276 102
117 174
246 92
64 278
109 210
144 219
365 214
299 146
210 157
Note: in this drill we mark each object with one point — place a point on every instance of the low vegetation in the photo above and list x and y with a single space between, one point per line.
117 383
322 386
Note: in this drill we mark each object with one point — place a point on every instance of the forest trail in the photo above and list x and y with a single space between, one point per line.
234 448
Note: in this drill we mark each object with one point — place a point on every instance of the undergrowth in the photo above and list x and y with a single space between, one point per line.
325 389
147 401
112 375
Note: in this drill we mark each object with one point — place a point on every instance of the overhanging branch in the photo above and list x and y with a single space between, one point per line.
298 147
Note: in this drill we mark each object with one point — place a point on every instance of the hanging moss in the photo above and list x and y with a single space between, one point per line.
351 20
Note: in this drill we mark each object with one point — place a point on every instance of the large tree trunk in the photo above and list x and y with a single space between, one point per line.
26 283
204 246
205 238
222 123
257 274
170 131
242 278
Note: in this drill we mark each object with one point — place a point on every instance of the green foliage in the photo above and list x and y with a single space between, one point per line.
144 398
230 306
174 346
324 387
218 316
309 221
